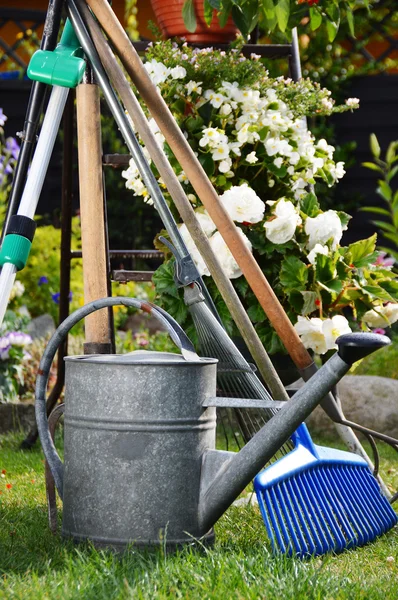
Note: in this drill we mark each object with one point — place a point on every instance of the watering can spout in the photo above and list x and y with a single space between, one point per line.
221 486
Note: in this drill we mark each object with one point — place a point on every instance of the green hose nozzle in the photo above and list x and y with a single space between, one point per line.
63 66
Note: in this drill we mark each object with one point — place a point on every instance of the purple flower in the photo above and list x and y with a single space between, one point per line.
379 330
17 338
3 117
56 297
43 280
5 347
13 147
384 262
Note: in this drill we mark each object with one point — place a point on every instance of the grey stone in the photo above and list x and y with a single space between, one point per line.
14 417
368 400
41 327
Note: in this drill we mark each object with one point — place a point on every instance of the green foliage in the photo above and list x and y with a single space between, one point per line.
387 169
282 15
41 276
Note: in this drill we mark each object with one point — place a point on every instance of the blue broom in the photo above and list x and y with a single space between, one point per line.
317 500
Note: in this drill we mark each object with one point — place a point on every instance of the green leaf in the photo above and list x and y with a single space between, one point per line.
207 163
376 209
350 21
386 226
310 205
282 11
163 279
309 305
325 269
215 4
392 173
240 20
208 12
256 313
384 191
344 217
224 13
374 145
375 291
391 152
189 16
269 14
294 274
372 166
315 18
362 249
332 30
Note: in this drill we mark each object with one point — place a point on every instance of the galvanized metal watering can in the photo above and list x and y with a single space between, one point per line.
140 459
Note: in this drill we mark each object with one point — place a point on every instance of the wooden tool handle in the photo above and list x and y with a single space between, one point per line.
95 271
200 182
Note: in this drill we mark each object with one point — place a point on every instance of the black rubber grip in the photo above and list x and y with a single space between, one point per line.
21 225
354 346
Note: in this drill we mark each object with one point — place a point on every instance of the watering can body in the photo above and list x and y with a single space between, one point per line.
140 459
135 433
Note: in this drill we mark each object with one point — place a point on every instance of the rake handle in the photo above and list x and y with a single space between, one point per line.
203 187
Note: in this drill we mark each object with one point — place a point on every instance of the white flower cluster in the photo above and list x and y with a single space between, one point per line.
320 334
249 118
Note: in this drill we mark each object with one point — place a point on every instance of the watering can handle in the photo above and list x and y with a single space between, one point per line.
175 331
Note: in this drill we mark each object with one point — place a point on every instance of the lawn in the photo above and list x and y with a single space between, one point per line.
35 564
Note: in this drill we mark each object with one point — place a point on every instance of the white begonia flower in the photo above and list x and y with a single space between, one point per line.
281 229
183 178
324 227
157 71
333 328
235 148
323 145
193 251
317 163
210 137
320 335
252 158
225 165
382 316
206 222
232 90
178 72
311 334
243 204
317 249
290 170
194 86
294 158
337 171
221 152
214 98
224 255
226 109
278 162
272 146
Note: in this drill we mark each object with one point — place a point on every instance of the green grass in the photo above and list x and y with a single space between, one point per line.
34 564
383 363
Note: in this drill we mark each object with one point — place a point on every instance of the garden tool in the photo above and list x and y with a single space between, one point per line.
61 68
186 270
141 428
35 105
317 500
209 198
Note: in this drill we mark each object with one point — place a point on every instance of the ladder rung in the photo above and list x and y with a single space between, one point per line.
123 276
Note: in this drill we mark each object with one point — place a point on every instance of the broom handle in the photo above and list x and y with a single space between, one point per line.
203 187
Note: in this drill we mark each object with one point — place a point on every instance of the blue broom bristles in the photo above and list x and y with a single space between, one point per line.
324 508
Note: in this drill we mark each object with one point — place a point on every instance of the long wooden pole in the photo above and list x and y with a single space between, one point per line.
95 270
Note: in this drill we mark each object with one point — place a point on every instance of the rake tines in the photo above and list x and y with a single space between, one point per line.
324 508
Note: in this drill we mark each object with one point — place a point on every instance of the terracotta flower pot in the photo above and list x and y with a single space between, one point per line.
169 17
